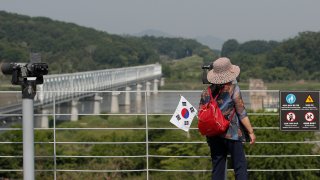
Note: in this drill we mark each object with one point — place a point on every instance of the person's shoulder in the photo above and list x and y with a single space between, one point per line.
235 84
233 87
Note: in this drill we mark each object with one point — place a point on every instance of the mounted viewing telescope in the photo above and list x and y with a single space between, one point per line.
22 71
28 76
205 69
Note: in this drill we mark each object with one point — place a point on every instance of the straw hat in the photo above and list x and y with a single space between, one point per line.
223 71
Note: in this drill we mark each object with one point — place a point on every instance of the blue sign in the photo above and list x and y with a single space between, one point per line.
291 98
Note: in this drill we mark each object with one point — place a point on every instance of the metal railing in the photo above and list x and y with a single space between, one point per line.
147 110
65 85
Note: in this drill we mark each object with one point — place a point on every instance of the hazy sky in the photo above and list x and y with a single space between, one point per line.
240 19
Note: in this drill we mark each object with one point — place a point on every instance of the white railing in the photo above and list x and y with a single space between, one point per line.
106 79
149 108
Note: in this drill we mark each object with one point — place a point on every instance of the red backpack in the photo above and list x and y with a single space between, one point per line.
211 121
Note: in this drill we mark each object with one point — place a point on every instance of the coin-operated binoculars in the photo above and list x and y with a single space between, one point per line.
28 76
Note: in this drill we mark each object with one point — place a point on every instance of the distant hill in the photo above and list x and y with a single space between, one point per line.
211 41
208 40
68 47
153 32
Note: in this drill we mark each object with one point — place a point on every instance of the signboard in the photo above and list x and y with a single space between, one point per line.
299 110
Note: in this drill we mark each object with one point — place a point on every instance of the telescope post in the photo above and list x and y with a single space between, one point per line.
27 75
28 93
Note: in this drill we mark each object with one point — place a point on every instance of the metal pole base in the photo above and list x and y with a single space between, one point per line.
28 139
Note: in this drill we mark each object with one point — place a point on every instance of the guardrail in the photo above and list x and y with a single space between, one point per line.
151 150
67 84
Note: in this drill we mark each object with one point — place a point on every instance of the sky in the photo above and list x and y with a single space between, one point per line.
243 20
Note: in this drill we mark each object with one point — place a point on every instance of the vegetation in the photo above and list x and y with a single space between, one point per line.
184 73
68 48
291 64
154 135
290 60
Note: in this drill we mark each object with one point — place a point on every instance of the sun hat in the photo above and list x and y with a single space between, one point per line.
223 71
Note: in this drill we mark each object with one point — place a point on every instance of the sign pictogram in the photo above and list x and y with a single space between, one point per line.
309 99
309 116
291 117
291 98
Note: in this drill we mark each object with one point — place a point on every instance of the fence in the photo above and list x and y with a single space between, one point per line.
138 141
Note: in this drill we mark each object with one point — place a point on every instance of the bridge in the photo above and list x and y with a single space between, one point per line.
109 79
135 139
72 87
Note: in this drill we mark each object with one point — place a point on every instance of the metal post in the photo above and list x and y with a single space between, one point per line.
28 76
28 139
54 138
147 134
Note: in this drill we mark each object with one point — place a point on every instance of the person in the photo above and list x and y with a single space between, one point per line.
223 79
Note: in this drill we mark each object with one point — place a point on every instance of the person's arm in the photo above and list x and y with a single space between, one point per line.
246 123
242 113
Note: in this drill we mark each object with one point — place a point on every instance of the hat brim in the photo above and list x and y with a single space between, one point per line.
223 77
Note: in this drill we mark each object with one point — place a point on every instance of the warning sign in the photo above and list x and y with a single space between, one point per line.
309 99
299 111
309 116
291 116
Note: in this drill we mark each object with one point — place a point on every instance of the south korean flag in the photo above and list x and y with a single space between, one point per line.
184 114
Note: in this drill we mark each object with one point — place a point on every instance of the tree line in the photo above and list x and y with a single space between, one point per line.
68 48
296 58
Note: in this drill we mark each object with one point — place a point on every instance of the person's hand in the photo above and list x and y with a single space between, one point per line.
252 138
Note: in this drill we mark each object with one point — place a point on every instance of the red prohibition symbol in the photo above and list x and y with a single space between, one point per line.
309 116
291 116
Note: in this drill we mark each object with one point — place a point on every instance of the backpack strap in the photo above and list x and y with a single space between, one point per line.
215 98
210 92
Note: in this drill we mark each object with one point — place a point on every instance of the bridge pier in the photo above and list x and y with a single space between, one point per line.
162 82
138 98
148 88
155 86
138 94
97 104
127 102
41 121
115 102
44 121
74 110
127 96
39 96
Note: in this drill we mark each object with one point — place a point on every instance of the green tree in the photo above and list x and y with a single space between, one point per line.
229 47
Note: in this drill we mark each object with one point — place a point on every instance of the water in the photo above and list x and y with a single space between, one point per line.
161 103
164 102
